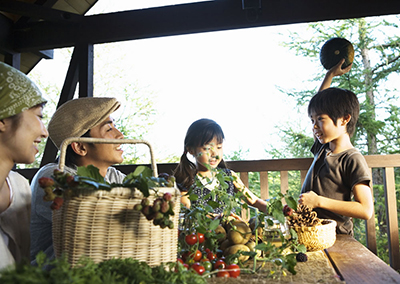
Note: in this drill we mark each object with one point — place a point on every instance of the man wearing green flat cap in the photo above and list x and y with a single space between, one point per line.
82 117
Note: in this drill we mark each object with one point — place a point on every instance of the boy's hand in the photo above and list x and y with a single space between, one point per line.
337 69
333 72
310 199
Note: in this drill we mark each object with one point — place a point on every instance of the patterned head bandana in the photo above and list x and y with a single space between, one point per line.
17 92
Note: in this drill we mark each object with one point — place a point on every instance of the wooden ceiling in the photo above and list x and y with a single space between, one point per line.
32 29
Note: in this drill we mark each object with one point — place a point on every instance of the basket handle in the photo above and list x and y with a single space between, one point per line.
66 142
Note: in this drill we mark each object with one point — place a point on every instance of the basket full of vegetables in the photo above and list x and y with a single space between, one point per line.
136 219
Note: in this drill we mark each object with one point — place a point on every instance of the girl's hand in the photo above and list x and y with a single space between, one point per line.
310 198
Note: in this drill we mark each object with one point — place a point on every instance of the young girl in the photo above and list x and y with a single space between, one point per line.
204 141
21 129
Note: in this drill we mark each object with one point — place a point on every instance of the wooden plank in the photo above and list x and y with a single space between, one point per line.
370 229
303 175
284 181
356 264
382 161
271 165
245 178
391 216
264 188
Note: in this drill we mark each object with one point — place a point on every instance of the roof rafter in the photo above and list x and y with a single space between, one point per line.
189 18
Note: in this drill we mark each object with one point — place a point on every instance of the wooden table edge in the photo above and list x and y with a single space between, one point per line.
354 263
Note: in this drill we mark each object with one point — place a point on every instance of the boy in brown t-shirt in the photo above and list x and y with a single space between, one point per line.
337 183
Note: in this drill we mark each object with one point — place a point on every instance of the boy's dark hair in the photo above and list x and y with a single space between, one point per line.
336 103
200 132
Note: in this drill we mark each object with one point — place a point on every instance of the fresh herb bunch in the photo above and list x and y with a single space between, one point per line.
113 271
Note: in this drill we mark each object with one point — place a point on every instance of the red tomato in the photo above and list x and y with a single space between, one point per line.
211 256
207 250
186 265
200 238
223 273
179 260
197 255
191 239
220 264
234 270
198 268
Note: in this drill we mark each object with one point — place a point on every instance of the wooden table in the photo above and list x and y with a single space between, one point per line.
346 262
354 263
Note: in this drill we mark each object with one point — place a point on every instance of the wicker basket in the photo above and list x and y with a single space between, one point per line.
103 225
318 237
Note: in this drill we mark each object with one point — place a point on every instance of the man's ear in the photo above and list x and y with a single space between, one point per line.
79 148
2 125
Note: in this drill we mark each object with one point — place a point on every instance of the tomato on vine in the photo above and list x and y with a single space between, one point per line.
197 255
223 273
191 239
234 270
211 256
220 264
198 268
200 238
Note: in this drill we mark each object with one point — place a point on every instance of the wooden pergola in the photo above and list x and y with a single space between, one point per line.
31 29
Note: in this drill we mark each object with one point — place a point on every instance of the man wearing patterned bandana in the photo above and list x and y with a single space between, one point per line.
21 129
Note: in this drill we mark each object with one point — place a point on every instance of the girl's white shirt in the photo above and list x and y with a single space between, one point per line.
2 234
207 184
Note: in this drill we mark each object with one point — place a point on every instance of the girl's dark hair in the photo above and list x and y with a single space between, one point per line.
336 103
200 132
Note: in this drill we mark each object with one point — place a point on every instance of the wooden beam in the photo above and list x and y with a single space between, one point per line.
38 12
191 18
85 54
67 93
46 54
13 60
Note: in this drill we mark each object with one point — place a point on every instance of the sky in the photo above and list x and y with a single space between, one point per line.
232 77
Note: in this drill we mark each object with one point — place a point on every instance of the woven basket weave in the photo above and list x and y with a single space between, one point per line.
103 225
317 237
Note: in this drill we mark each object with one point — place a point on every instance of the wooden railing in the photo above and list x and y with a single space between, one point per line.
386 163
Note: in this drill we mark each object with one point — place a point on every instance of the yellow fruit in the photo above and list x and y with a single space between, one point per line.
236 248
239 235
